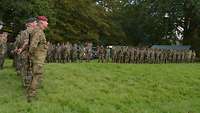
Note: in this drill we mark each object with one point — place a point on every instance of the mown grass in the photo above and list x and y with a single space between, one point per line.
106 88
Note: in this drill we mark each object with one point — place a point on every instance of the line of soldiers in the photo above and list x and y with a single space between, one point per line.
116 54
30 53
67 52
149 55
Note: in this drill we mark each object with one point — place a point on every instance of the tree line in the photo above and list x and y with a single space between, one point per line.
110 22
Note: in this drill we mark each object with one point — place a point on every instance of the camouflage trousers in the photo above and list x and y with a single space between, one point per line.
18 64
37 70
26 72
2 59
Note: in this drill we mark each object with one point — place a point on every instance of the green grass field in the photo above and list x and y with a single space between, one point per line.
106 88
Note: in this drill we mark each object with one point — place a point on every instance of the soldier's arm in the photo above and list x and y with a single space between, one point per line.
25 44
25 41
16 43
5 35
5 39
34 41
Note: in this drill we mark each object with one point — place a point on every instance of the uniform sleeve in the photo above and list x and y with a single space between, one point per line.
1 39
5 39
25 40
34 41
16 43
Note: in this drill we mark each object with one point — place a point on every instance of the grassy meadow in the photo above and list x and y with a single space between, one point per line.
106 88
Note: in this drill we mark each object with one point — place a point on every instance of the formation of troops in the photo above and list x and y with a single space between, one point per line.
149 55
31 51
68 52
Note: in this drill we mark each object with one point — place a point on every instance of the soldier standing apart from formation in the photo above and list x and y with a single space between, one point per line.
3 49
37 51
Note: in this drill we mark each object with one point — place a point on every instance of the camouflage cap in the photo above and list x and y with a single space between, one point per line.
30 20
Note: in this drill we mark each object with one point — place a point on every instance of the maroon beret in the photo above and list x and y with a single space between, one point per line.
43 18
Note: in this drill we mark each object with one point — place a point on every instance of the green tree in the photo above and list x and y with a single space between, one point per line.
15 12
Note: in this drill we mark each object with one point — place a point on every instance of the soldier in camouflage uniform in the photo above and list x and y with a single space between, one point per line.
50 52
137 55
101 54
16 60
22 51
58 53
170 56
148 55
120 55
193 58
74 52
80 52
178 56
173 56
108 53
161 56
114 54
62 53
68 47
37 51
3 41
189 56
132 54
54 51
142 55
154 56
158 55
17 56
88 51
182 56
127 55
165 56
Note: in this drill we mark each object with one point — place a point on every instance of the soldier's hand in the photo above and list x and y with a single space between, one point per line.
19 51
14 51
